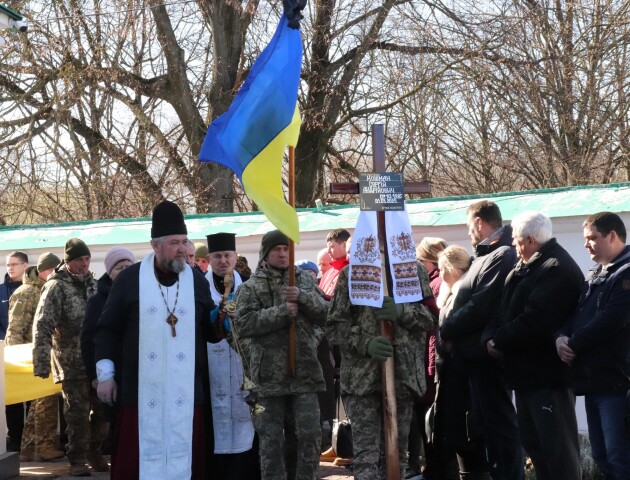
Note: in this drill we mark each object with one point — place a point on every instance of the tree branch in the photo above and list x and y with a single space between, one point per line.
426 49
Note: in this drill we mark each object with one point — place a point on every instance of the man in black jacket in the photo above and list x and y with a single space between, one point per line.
17 262
479 296
596 342
539 295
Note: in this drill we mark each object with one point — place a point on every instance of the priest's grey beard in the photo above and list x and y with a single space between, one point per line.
177 265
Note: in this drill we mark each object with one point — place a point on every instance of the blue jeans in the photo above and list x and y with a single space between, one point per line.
611 447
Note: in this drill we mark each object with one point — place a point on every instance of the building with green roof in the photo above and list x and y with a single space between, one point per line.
442 217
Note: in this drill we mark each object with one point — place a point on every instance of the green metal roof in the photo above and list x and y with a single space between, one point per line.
557 202
553 202
11 13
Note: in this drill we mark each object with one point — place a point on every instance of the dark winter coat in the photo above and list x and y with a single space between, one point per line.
6 290
435 281
538 298
117 333
479 297
453 422
599 333
92 313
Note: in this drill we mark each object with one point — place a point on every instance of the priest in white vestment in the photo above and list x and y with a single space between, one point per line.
156 320
235 450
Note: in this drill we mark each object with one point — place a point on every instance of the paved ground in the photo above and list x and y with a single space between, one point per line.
60 469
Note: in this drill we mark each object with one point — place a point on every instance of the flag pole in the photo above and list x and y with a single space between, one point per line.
292 325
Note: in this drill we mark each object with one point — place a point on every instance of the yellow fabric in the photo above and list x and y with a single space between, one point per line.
262 180
21 384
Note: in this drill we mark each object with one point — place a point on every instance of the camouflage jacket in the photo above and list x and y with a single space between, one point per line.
22 307
352 327
58 320
262 321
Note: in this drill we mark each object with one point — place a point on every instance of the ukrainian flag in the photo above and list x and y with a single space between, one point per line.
21 384
251 137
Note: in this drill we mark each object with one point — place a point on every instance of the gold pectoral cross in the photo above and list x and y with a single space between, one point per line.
172 320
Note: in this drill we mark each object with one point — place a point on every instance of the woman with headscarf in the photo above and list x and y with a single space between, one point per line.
116 260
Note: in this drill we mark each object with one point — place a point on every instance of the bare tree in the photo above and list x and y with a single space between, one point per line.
133 91
543 103
103 108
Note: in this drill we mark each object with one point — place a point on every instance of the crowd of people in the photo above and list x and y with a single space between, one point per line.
191 364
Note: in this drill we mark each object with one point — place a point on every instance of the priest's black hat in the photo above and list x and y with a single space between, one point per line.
167 220
221 242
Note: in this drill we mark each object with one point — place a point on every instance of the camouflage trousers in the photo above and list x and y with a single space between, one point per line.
366 416
303 410
85 420
40 428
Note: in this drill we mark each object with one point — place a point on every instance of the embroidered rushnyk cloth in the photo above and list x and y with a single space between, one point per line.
365 280
365 271
402 257
166 376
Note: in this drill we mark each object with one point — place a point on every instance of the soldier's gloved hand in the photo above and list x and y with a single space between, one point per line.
380 349
390 310
107 392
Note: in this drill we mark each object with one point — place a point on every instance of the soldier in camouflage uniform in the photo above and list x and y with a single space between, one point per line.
40 428
265 306
58 320
356 329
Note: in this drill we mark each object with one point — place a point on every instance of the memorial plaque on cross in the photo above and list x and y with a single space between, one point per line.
390 419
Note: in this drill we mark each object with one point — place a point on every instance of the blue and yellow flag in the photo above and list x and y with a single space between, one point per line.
252 136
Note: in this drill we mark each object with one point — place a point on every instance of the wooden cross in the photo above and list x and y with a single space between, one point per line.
378 166
390 417
172 320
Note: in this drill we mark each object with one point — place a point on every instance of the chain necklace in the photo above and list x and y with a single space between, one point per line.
218 285
171 319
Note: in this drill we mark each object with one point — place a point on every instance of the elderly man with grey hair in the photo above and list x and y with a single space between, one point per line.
539 295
